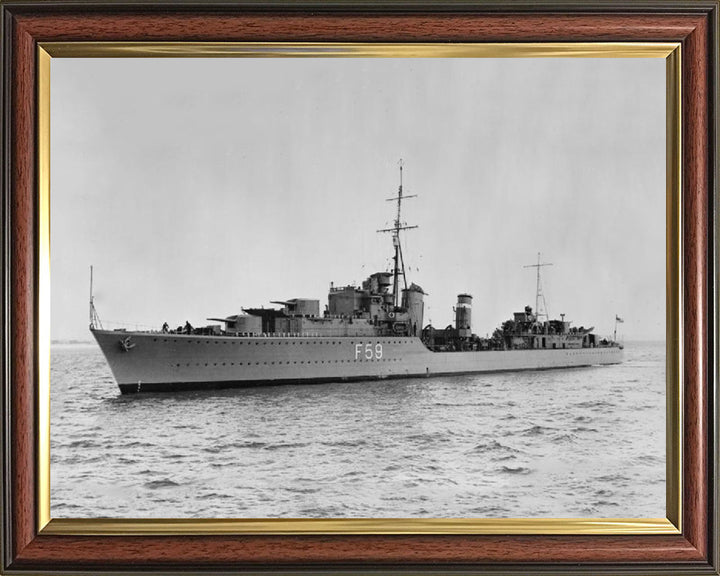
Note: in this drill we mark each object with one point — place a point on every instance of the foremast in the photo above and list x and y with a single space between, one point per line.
94 318
398 225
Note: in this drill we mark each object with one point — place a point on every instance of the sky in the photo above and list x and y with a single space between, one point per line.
198 187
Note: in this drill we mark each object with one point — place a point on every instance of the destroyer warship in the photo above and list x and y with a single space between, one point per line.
368 332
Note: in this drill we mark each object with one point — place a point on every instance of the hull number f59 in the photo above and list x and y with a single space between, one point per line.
368 351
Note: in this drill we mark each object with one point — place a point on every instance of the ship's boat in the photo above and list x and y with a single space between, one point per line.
367 332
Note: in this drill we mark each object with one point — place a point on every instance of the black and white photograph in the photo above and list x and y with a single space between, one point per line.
358 287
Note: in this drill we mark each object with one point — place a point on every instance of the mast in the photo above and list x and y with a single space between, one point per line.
398 262
538 289
618 320
94 318
91 298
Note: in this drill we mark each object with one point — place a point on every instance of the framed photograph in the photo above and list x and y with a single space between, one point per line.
359 286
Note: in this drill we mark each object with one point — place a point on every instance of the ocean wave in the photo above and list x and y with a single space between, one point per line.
536 430
213 495
461 405
595 404
126 460
605 503
321 512
82 444
344 443
157 484
492 446
282 446
489 512
138 444
248 445
65 506
217 449
650 459
514 470
504 458
308 490
619 478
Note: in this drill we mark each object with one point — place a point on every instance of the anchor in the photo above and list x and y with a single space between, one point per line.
127 344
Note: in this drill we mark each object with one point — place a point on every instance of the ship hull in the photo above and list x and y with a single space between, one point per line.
155 362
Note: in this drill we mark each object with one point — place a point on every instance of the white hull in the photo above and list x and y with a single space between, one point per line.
147 362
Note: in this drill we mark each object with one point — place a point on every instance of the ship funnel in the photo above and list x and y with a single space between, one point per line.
463 315
412 301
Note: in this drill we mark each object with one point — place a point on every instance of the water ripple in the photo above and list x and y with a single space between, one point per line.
571 443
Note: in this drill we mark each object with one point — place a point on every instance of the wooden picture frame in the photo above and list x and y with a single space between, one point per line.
30 544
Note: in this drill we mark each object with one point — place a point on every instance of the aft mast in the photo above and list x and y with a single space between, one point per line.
398 263
538 291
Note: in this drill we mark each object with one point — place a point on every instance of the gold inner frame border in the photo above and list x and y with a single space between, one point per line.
671 52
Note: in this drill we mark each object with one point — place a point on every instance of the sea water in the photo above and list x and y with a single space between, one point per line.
585 442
